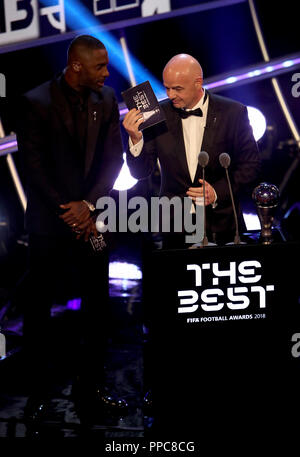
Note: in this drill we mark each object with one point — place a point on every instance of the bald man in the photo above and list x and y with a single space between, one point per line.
196 120
70 142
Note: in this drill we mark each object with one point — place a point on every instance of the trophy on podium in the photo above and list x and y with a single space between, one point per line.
266 198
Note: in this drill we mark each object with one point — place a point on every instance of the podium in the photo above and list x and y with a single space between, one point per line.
223 325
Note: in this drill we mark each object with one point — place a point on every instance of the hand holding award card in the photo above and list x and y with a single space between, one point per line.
143 98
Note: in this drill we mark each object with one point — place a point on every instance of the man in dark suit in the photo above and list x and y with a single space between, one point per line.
218 125
70 143
195 120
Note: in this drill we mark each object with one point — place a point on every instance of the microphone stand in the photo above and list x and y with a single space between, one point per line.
205 240
203 160
237 239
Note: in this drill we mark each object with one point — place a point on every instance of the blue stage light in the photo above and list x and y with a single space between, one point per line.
78 17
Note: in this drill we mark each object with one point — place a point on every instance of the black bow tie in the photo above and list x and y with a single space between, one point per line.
194 112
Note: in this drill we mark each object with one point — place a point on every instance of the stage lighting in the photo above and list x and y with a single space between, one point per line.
74 304
79 17
124 181
124 270
123 278
257 122
252 221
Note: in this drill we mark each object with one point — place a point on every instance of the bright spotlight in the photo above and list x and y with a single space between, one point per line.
124 270
252 221
257 122
124 181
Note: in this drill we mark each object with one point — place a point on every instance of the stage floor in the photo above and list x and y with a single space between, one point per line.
124 366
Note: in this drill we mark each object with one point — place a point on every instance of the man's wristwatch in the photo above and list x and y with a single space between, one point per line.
89 205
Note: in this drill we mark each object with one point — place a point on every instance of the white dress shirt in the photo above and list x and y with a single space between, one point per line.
193 131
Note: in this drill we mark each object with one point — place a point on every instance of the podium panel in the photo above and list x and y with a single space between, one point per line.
223 325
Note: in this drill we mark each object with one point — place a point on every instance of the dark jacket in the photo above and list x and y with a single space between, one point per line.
55 169
227 130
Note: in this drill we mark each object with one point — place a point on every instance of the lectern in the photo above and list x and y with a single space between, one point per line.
222 324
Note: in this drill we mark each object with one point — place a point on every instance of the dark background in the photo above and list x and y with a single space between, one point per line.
222 39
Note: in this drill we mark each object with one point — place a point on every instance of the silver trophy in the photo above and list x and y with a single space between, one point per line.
266 197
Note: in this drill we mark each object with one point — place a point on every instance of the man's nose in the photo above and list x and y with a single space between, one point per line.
171 94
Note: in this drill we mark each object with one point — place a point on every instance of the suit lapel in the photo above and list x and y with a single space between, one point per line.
176 130
95 113
95 107
209 133
62 106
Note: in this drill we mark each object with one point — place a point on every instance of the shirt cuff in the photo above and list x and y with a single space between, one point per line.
136 149
214 203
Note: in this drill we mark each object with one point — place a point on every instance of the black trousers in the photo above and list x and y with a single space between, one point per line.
62 267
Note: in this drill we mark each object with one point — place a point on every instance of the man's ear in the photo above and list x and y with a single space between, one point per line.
76 66
198 82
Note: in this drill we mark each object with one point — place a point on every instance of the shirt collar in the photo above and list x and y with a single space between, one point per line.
201 102
73 95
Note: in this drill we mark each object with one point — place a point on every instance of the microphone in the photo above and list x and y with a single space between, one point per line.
225 160
203 159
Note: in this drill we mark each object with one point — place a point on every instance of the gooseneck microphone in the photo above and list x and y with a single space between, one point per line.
225 160
203 159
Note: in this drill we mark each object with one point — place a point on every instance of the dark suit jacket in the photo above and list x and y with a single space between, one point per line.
227 130
55 170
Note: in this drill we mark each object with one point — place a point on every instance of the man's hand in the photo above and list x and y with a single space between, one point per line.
197 192
89 228
76 213
131 123
85 229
